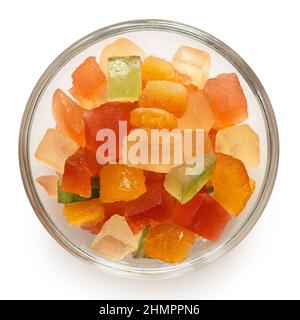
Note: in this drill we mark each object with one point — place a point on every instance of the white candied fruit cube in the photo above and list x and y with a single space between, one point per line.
193 65
115 240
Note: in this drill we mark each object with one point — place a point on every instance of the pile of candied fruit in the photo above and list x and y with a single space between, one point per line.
149 210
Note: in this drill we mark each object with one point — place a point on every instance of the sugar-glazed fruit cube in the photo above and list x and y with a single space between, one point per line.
227 100
115 240
151 198
79 168
107 116
80 213
169 243
166 95
154 68
152 118
121 183
240 142
49 183
69 197
120 47
231 184
124 78
193 64
159 214
68 116
54 149
89 84
202 215
182 186
198 113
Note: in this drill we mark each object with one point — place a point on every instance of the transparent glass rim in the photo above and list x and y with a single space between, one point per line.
153 25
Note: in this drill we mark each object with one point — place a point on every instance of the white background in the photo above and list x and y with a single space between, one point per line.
267 262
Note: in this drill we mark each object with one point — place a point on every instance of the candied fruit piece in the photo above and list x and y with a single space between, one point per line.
89 84
231 184
152 118
198 113
120 47
151 198
153 216
202 215
54 149
166 95
68 197
154 68
240 142
227 100
68 116
78 172
115 240
106 116
183 186
121 183
193 64
124 78
49 183
79 213
169 243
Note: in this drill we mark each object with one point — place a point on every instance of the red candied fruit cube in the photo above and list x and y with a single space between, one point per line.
202 215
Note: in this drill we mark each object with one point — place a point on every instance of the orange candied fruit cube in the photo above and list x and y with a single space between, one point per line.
121 183
68 116
232 187
198 114
81 213
169 243
154 68
166 95
227 100
152 118
89 84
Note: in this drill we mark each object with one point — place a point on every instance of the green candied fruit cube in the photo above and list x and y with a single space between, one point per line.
124 78
183 187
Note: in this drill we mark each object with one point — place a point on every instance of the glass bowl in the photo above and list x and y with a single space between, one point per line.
161 38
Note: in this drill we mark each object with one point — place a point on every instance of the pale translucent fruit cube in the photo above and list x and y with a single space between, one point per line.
124 78
193 64
120 47
184 186
166 95
115 240
54 149
49 183
198 114
240 142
